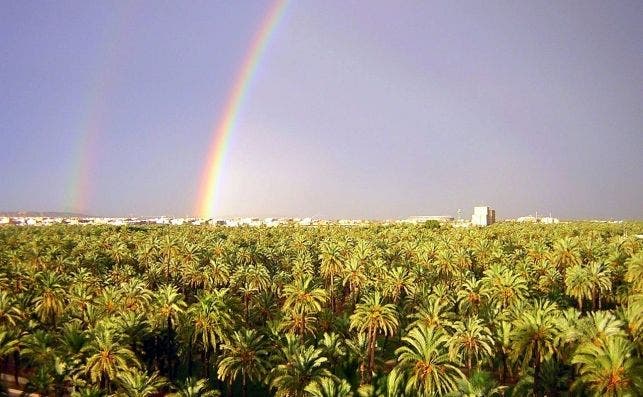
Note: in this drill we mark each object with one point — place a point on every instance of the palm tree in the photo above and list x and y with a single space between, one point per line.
329 387
362 251
446 265
471 296
502 336
135 296
354 277
218 272
39 348
634 273
80 296
244 355
250 280
632 317
609 369
549 280
479 384
302 366
302 300
600 282
211 320
88 392
565 253
578 284
110 300
333 348
195 388
10 314
8 344
373 317
107 358
462 258
146 253
302 296
358 352
120 252
505 286
332 258
399 282
471 340
597 327
169 304
425 367
49 304
535 335
135 383
72 342
40 381
434 312
169 249
299 323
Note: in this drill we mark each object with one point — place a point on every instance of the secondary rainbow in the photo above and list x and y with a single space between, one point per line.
91 128
210 181
94 123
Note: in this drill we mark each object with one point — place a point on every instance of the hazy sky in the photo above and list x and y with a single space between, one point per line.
359 108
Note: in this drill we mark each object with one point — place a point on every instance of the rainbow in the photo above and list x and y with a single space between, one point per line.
92 126
209 183
79 185
86 152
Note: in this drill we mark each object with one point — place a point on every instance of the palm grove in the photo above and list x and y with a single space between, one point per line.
323 311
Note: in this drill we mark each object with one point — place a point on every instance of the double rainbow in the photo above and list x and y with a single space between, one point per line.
210 181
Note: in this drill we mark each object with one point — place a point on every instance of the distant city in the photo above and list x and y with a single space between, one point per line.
482 216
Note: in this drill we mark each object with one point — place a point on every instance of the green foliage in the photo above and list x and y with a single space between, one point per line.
379 310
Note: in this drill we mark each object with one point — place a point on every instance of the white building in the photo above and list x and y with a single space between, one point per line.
483 216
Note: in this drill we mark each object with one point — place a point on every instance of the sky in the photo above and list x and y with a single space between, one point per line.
357 109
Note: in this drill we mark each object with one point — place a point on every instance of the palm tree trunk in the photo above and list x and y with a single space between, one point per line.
16 366
245 308
371 361
217 353
503 374
332 296
537 373
169 345
206 362
595 299
244 385
190 345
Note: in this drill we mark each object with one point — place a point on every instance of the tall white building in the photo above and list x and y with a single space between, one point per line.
483 216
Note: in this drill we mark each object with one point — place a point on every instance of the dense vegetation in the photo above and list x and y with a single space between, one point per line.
324 311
